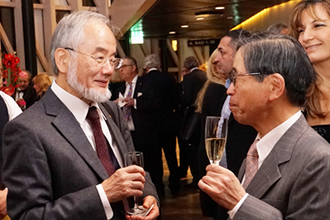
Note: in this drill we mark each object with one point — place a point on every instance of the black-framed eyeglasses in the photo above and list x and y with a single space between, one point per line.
114 62
233 75
125 65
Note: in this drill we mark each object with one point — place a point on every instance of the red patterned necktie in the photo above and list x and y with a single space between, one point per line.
100 141
251 167
127 109
101 144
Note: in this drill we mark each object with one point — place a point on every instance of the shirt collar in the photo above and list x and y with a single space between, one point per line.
195 68
152 69
267 143
76 106
134 80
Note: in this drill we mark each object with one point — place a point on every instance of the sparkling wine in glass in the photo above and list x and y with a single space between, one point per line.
216 129
135 158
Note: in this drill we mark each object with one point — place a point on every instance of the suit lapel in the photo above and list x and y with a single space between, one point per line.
269 172
69 128
138 87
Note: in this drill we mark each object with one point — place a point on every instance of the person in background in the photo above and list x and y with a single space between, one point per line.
140 111
193 81
64 156
209 102
278 28
310 24
286 171
41 82
165 120
26 92
9 110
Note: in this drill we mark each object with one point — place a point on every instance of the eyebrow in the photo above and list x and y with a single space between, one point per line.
103 50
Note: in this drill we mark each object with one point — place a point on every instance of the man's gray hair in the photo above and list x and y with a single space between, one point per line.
152 61
70 32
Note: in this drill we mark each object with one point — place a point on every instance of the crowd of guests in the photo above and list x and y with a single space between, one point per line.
63 158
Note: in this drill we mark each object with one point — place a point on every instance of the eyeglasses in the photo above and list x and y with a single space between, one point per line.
114 62
233 75
125 65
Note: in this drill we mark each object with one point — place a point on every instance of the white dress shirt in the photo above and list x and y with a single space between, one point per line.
12 107
264 147
80 109
130 122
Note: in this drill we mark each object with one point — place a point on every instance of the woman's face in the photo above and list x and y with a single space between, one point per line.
37 88
314 34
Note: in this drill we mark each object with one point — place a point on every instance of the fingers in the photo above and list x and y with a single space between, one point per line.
149 202
125 182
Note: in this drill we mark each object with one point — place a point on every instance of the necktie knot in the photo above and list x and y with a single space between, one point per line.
253 152
92 114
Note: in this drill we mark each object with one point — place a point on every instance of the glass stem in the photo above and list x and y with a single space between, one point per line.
136 205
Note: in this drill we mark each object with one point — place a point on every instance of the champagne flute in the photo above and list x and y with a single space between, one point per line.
135 158
216 129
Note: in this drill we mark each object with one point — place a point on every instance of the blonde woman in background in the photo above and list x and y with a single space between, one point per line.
310 24
209 102
211 89
41 83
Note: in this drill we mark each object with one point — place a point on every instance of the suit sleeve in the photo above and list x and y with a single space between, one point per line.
29 182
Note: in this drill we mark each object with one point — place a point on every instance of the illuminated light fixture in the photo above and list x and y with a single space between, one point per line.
204 14
261 15
184 26
174 45
172 32
219 8
137 33
200 18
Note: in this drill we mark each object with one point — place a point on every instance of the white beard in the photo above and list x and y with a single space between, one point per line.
90 94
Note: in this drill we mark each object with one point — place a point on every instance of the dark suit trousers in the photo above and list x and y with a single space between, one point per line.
167 141
148 144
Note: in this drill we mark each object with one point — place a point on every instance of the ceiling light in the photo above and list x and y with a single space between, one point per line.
184 26
172 32
199 18
219 8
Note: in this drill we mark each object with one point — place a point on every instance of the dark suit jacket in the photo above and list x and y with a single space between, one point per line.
168 98
293 181
147 105
191 84
30 96
50 167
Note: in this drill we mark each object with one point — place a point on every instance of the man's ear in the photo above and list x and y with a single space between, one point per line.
62 58
277 86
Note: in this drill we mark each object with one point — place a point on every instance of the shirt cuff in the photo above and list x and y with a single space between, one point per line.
134 103
105 202
232 212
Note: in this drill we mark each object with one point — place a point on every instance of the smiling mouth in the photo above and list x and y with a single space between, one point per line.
312 46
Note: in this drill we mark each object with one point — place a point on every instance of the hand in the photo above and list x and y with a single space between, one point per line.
128 101
125 182
153 214
222 186
3 199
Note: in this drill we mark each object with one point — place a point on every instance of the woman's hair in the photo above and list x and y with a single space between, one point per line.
43 81
313 105
212 76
